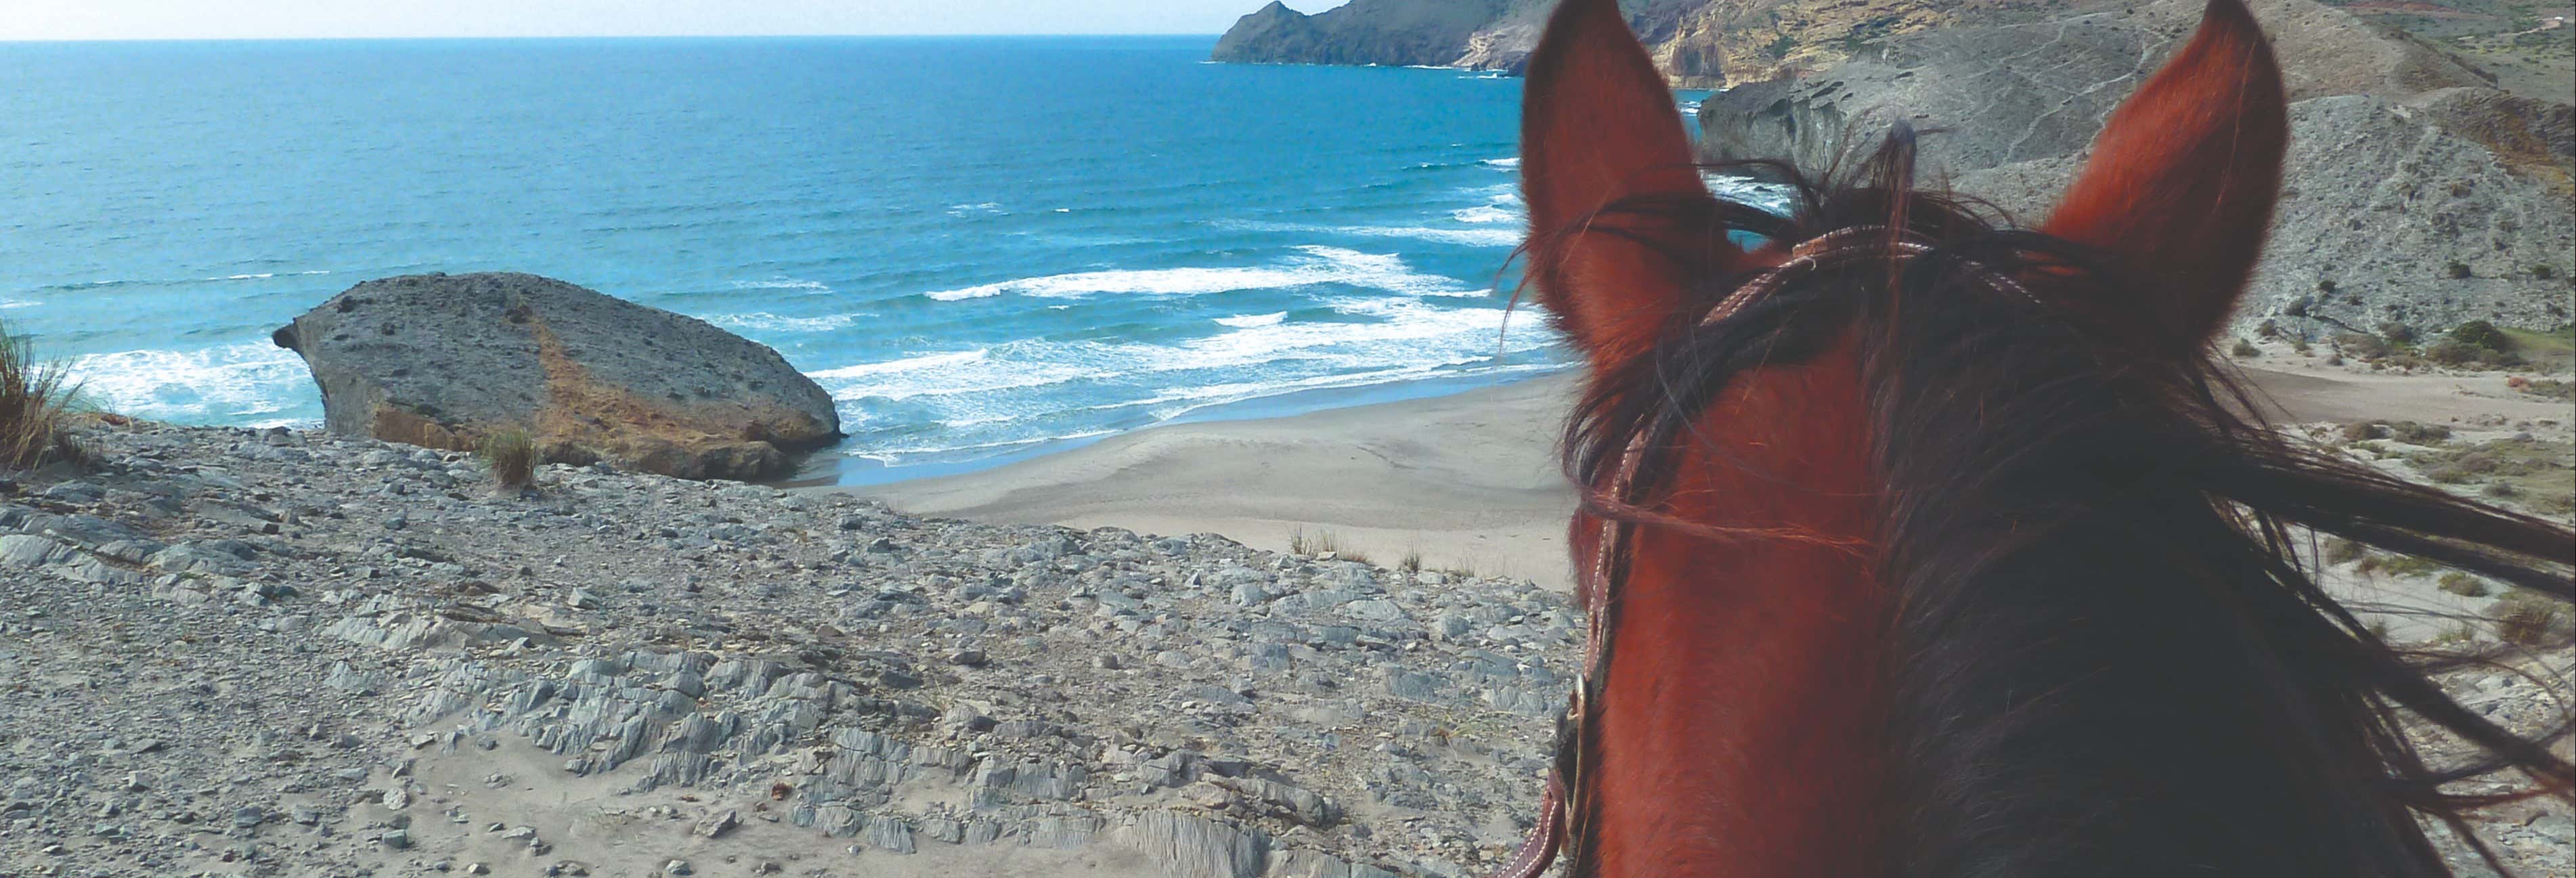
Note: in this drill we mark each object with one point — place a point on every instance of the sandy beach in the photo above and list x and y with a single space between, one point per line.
1471 480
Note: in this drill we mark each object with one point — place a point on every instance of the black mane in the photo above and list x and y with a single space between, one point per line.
2110 659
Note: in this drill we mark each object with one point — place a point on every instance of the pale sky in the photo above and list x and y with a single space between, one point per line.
299 19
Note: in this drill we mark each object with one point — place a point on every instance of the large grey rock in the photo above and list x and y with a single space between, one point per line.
444 361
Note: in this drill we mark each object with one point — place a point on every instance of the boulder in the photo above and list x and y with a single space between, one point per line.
445 361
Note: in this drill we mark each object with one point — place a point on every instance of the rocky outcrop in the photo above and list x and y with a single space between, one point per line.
2416 194
1699 43
2385 218
445 361
1391 32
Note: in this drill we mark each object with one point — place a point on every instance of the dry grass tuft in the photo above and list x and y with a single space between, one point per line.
513 456
35 403
2529 619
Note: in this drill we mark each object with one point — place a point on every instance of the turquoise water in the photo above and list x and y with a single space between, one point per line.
979 246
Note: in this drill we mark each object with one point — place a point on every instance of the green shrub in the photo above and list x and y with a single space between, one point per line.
2368 347
2397 333
2363 431
35 405
2459 271
2464 585
2483 334
2453 352
2414 433
2528 619
2244 350
2343 551
513 456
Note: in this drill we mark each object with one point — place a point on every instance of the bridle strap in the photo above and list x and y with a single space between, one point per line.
1557 831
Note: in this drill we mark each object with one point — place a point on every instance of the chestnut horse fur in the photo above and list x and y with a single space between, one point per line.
1974 565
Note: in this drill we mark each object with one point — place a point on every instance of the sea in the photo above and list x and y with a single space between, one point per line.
984 248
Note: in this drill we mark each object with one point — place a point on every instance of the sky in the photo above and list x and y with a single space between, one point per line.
311 19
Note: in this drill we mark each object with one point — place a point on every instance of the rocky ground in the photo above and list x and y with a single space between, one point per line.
276 653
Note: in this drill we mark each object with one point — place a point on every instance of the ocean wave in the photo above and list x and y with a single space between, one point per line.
783 284
111 283
230 382
1316 265
1508 163
763 321
959 373
1777 198
989 208
895 456
1251 320
6 304
924 361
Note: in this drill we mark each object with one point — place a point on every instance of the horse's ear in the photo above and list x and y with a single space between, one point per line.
2180 189
1599 127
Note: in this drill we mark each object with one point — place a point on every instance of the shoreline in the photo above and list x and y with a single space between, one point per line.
1470 480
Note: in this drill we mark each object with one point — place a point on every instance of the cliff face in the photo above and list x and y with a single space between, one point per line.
1393 32
1700 43
2404 163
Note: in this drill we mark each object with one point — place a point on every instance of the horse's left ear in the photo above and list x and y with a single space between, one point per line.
1598 128
2182 182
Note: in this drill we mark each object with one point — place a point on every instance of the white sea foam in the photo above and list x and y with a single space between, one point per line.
897 455
1462 237
924 361
1774 197
989 208
1252 320
229 382
763 321
783 284
1313 266
17 303
1510 163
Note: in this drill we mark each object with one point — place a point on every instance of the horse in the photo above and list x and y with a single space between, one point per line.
1919 544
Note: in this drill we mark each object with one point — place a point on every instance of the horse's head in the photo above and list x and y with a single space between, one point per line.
1929 546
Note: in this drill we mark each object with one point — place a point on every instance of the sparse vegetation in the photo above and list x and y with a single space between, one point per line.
2482 334
2464 585
2459 271
2394 565
2414 433
1321 543
513 457
35 403
2528 619
2363 431
2367 347
2397 333
1412 562
2550 388
2244 350
2342 551
2516 467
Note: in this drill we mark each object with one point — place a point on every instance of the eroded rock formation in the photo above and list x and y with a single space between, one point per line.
445 361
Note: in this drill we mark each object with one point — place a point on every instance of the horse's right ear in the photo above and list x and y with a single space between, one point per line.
2180 189
1599 127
